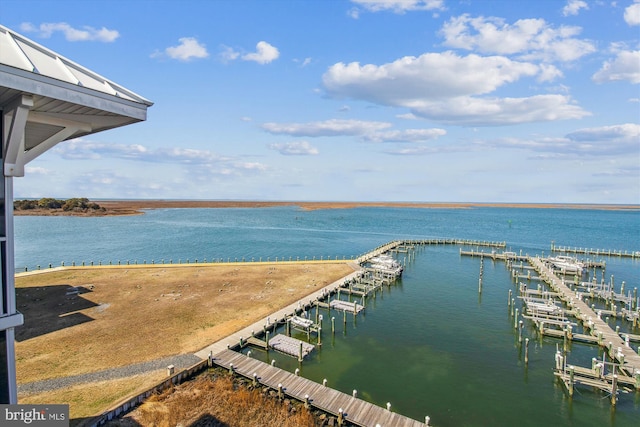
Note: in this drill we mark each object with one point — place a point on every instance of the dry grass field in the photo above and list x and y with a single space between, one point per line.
125 315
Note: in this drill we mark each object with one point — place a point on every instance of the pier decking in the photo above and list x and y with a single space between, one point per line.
607 337
350 307
596 252
290 346
354 410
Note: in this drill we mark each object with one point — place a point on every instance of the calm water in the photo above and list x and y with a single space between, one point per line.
430 345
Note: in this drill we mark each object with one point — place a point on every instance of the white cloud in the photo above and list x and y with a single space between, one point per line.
528 38
548 73
445 87
429 76
408 135
627 133
36 170
398 6
86 33
196 162
573 7
304 62
334 127
301 148
625 66
188 49
632 14
228 54
265 53
81 149
473 111
600 141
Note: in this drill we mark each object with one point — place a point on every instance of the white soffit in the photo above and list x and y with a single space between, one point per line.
60 100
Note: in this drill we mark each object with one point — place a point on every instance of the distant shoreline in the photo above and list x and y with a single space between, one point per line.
137 207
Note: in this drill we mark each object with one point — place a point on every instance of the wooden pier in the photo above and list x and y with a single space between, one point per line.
596 252
346 306
403 244
291 346
502 256
344 406
616 347
602 375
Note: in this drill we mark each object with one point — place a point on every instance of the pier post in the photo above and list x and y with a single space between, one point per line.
267 339
280 395
526 351
300 353
570 332
255 379
354 393
571 374
320 336
520 327
509 300
344 318
559 361
515 323
340 417
333 325
614 389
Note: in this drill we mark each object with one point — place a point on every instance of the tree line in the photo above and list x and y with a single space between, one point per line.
79 204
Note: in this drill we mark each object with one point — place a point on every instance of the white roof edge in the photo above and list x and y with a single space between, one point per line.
17 57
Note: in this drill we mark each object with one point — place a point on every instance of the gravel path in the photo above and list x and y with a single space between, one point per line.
179 361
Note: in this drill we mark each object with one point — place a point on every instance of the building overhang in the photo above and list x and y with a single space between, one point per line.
46 99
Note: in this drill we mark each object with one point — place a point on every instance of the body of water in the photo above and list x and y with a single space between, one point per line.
429 345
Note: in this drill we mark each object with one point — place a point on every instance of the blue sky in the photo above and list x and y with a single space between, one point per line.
362 100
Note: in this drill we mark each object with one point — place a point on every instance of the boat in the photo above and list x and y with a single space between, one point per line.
566 264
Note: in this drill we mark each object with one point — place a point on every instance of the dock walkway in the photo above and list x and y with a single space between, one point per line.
354 410
607 336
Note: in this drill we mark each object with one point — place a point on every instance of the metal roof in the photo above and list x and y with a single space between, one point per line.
64 100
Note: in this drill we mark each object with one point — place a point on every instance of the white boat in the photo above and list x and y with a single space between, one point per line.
566 264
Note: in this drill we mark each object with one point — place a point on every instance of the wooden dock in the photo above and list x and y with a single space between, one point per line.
502 256
403 244
290 346
354 411
596 252
346 306
607 337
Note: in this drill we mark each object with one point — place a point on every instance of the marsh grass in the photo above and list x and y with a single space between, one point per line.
217 401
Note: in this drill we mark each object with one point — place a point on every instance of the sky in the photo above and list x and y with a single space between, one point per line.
351 100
